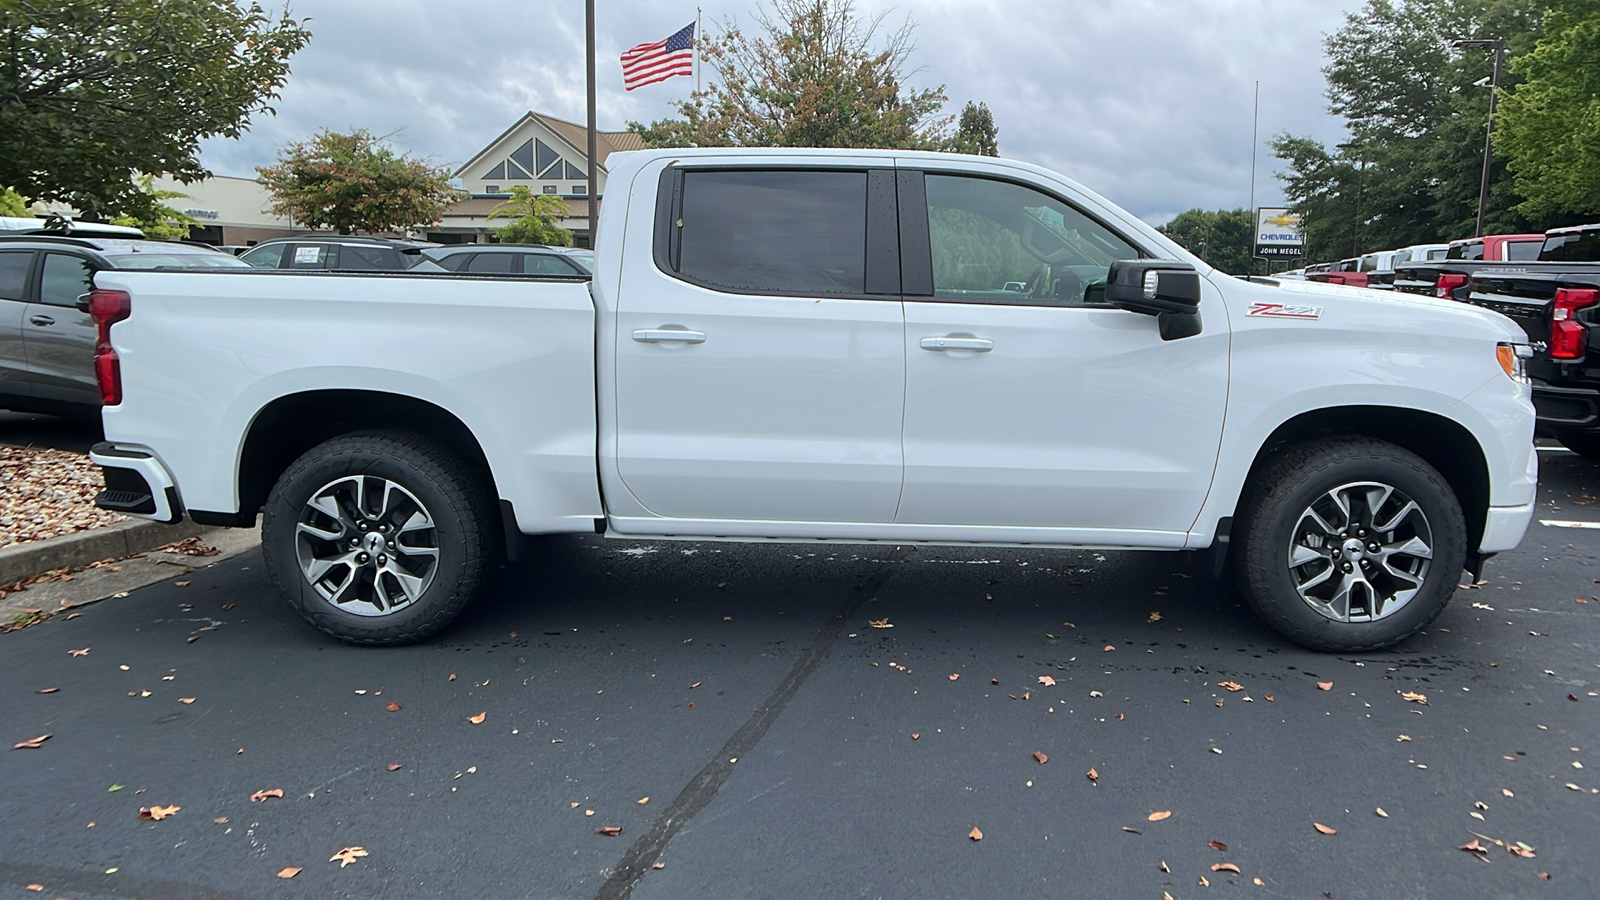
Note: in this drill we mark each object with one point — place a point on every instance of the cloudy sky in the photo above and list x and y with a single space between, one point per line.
1146 101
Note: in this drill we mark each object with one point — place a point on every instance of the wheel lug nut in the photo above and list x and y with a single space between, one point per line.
383 560
363 558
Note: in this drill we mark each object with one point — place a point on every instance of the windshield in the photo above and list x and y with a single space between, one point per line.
181 260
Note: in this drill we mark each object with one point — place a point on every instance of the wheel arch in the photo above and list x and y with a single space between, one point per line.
1443 443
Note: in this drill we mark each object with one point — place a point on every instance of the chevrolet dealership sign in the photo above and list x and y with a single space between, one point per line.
1278 234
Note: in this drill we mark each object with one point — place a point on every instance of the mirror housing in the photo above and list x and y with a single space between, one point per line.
1168 290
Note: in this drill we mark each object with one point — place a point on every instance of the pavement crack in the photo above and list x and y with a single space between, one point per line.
703 788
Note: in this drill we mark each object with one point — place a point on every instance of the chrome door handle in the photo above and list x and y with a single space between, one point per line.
958 342
669 334
41 320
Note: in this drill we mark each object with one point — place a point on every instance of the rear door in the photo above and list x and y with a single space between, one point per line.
16 269
760 373
60 337
1030 402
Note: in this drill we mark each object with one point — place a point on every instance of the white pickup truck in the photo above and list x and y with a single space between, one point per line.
826 345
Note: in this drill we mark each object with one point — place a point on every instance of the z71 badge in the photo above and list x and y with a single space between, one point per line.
1284 311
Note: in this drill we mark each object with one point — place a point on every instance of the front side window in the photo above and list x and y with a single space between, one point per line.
266 256
66 277
490 263
773 231
998 242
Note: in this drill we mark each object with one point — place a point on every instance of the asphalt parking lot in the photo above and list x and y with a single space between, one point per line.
734 711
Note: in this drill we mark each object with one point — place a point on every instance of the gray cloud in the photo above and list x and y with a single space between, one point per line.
1146 101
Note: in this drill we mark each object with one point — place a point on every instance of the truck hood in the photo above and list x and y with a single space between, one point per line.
1462 317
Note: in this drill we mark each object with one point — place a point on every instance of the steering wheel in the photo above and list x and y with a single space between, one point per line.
1028 238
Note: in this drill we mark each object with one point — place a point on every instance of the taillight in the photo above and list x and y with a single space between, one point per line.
108 308
1567 334
1447 284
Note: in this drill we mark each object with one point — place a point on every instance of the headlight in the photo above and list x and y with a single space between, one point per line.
1513 359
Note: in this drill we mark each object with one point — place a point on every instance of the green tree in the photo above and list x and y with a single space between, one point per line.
92 92
1221 237
164 223
976 132
13 204
1550 128
535 219
818 75
356 182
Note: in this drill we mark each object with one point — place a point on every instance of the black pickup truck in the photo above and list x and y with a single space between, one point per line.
1560 311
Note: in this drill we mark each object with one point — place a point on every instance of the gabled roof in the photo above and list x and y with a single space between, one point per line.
573 134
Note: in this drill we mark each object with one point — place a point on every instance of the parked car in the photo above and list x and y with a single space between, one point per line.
1497 248
61 226
1450 278
47 340
1578 243
847 346
505 259
344 253
1345 271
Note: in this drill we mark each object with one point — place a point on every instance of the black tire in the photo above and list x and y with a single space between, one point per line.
1583 443
1272 512
463 539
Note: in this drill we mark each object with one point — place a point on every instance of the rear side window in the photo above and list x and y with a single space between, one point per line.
66 276
14 265
547 264
1523 251
363 258
1583 246
1473 250
310 256
490 263
773 231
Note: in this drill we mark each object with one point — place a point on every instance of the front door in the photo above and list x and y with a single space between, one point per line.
760 373
1032 404
60 336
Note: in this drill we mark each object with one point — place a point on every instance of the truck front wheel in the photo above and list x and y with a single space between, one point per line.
1350 544
379 537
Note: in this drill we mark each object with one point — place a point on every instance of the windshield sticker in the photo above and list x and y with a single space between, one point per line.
307 255
1284 311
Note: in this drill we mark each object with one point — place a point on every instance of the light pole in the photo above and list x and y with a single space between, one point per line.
1361 186
1499 47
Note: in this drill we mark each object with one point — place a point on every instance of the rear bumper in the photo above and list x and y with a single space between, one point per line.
1504 527
1562 407
137 484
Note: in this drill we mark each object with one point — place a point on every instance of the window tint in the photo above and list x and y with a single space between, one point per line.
365 258
1473 250
490 263
184 260
266 256
65 277
309 256
14 267
547 264
451 261
1583 246
780 232
1523 251
997 242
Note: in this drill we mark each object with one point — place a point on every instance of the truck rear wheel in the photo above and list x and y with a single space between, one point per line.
379 538
1583 443
1350 544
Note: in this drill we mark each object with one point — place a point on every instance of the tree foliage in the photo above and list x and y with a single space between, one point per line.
92 92
817 74
13 204
1550 128
976 132
1416 114
1223 237
356 182
164 222
535 219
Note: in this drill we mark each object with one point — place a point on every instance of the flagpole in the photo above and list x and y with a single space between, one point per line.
594 185
697 35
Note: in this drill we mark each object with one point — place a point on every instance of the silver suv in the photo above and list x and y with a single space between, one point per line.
46 339
343 253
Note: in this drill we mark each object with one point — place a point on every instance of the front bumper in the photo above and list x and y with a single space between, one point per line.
137 484
1504 527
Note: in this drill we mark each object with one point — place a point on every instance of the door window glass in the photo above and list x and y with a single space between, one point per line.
774 231
546 264
310 256
66 276
266 256
1523 251
364 258
490 263
14 267
998 242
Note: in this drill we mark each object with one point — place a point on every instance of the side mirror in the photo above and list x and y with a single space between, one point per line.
1168 290
82 303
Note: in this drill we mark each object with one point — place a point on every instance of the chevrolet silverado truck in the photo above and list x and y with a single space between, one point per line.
826 346
1448 277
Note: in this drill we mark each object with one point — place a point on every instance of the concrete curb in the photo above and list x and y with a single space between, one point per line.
20 561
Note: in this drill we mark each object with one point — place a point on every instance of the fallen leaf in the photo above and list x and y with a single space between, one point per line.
1092 775
181 583
83 652
879 623
1040 757
1233 686
658 864
1159 814
1107 648
220 820
1414 697
1403 737
348 855
32 744
1324 685
290 872
1258 882
186 700
1204 881
191 638
1225 867
697 684
1163 867
478 719
394 707
1131 830
1269 698
976 834
642 801
1153 618
1047 681
1476 849
915 735
588 812
35 887
157 813
1573 697
47 690
609 830
114 788
1218 846
1507 792
1380 812
261 796
1325 829
991 681
1545 875
228 606
1522 850
954 676
691 706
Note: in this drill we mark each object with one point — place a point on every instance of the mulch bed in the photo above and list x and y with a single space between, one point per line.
48 493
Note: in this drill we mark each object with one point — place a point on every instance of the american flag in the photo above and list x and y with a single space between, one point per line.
659 60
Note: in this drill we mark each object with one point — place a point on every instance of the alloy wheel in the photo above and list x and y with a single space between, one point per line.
367 545
1360 551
